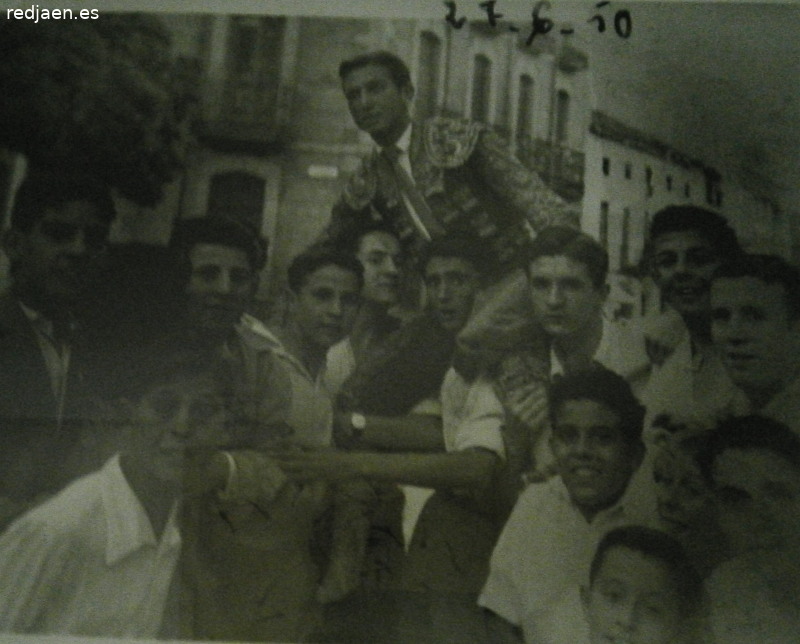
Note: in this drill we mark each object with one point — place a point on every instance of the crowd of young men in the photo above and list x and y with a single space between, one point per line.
500 463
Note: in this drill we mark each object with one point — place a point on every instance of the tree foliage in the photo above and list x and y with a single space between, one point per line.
103 96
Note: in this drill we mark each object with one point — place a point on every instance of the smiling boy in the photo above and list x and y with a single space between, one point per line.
548 541
755 309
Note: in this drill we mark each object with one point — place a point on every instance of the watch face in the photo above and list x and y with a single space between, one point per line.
358 421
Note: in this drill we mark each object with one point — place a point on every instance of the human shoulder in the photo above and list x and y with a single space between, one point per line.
536 505
259 341
449 142
55 532
68 509
361 186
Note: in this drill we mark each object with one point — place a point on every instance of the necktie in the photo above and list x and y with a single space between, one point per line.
409 190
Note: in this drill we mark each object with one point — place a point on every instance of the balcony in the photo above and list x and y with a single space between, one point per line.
560 167
250 119
247 104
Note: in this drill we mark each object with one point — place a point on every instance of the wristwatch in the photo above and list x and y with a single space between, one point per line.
358 423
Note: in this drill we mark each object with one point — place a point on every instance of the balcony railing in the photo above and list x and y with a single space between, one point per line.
561 168
250 118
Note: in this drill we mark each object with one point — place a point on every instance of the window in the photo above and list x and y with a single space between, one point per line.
624 247
606 166
669 183
648 180
628 170
603 232
525 107
430 53
687 190
481 88
562 116
252 69
237 195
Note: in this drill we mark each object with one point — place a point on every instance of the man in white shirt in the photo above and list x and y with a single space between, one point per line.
566 274
755 323
690 387
98 558
547 543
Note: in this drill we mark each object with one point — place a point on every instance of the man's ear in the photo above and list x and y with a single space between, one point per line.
13 242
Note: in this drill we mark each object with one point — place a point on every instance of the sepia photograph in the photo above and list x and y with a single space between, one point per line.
457 321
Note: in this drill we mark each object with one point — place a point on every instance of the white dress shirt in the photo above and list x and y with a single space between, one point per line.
87 562
547 545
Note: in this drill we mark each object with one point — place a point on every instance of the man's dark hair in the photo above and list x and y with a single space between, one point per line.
751 432
224 231
41 191
351 243
769 269
319 256
602 386
470 248
711 226
572 243
654 544
397 69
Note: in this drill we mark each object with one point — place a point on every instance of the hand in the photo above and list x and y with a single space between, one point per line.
257 478
528 403
311 465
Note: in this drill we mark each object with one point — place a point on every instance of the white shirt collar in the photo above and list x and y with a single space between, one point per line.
128 527
261 338
617 510
603 349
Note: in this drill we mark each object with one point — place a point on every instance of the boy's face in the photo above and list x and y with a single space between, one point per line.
758 497
379 254
633 600
565 301
325 307
221 286
682 265
750 324
592 456
452 284
53 260
173 420
683 498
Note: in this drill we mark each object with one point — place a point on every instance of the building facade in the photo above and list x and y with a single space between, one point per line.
277 141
